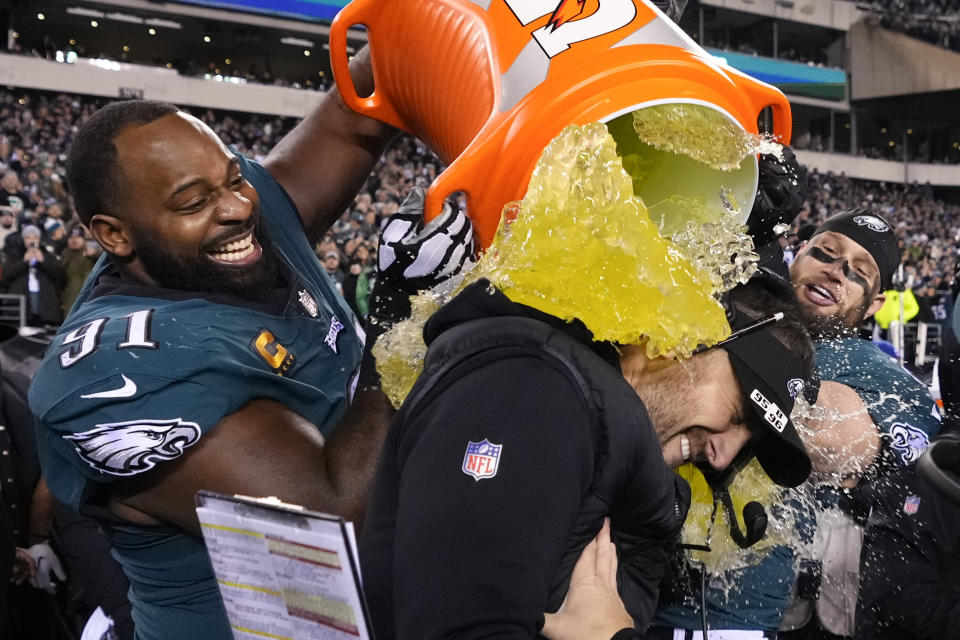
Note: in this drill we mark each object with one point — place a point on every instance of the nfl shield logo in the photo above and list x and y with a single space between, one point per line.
481 459
911 505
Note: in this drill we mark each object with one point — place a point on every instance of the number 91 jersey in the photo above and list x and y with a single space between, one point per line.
138 374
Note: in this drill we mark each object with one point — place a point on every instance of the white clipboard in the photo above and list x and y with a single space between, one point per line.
284 573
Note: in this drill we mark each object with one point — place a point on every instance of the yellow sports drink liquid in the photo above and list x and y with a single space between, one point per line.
487 84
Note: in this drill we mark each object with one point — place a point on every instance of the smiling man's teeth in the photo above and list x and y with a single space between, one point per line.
685 447
822 291
236 250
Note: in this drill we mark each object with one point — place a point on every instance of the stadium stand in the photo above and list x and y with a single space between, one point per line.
868 144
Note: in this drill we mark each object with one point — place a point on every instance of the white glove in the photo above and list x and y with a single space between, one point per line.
47 562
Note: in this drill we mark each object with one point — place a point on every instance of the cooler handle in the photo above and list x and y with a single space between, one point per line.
376 104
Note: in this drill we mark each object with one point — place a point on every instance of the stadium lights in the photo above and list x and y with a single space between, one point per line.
40 16
152 31
94 24
297 42
70 57
83 11
160 22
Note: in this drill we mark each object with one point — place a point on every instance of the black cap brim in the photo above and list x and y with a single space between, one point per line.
771 379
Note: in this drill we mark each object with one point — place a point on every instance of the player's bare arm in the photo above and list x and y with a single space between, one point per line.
324 161
842 435
264 449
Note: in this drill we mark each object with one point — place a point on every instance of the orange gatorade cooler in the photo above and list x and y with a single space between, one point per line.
487 84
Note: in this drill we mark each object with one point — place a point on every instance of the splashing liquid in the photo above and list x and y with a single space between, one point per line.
704 527
582 245
706 135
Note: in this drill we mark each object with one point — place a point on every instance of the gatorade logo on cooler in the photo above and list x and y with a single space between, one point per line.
572 21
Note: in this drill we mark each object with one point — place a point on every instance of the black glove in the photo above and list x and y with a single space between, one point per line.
412 258
781 192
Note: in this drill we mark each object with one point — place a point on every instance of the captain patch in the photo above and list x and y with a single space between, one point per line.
482 459
129 448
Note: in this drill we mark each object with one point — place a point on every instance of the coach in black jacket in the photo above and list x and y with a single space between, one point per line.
522 434
910 566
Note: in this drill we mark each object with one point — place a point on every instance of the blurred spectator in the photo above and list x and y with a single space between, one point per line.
7 224
11 194
35 273
78 260
331 262
356 288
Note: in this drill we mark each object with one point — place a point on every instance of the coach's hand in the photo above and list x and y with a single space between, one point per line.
592 609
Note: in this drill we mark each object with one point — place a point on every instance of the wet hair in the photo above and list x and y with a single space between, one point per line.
92 168
764 295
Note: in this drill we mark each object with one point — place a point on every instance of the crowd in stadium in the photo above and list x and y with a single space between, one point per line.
37 129
50 49
47 253
934 21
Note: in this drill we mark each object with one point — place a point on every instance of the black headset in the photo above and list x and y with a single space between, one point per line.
754 515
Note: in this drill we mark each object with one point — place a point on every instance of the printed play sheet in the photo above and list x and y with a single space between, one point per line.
283 572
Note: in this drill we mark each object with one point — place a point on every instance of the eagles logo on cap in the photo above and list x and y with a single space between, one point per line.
871 222
795 387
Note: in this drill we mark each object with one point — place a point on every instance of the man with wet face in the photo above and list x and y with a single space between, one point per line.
871 414
523 433
208 349
839 277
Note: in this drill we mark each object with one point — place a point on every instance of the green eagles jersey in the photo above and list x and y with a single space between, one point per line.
137 375
898 403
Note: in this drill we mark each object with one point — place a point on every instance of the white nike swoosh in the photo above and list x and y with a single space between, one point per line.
128 389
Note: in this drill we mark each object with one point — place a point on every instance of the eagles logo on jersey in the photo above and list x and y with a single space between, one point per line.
128 448
908 441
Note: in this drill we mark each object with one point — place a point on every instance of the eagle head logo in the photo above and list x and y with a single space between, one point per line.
908 441
871 222
795 387
128 448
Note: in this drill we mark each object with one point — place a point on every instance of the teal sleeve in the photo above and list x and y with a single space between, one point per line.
84 442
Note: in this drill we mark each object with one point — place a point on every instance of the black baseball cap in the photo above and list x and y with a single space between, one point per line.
772 378
873 233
